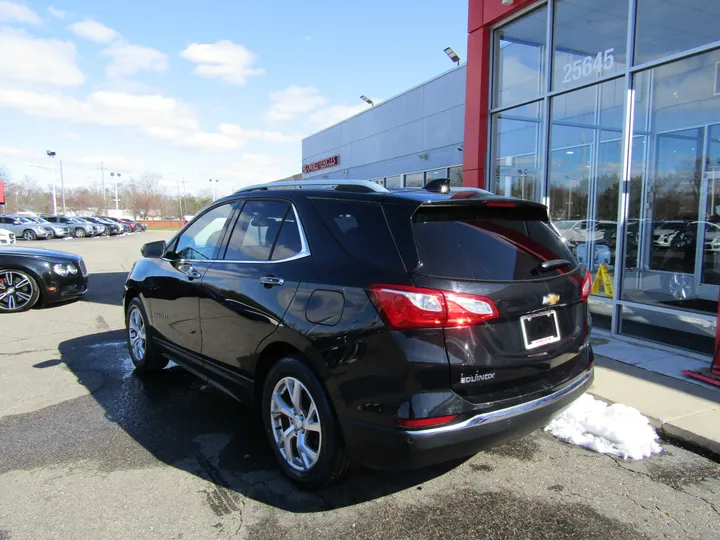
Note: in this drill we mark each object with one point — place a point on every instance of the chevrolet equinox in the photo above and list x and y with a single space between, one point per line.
386 329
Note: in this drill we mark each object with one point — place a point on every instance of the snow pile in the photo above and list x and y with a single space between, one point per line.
617 429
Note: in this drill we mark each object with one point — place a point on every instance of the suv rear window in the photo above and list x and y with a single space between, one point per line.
361 229
462 244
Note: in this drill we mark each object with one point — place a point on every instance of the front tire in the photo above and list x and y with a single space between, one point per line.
301 427
29 235
79 232
140 346
18 291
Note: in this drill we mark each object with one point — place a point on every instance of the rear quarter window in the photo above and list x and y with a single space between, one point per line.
464 245
361 229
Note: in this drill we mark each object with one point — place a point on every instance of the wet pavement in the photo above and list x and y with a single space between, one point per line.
90 450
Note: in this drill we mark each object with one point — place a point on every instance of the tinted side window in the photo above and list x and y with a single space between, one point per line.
202 238
255 231
288 242
454 246
361 229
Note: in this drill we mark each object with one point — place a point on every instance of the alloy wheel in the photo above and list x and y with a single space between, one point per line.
136 332
16 291
29 235
296 426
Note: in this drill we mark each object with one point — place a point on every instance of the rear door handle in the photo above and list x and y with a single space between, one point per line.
271 281
189 271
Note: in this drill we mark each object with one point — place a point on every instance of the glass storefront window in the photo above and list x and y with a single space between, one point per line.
434 175
672 26
456 176
393 182
673 219
516 148
520 59
585 169
590 40
414 180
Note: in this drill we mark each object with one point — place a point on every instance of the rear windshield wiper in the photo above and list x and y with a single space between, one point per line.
548 266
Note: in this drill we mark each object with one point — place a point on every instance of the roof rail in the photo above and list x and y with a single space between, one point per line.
338 185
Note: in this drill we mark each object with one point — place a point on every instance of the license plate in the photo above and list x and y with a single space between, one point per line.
540 329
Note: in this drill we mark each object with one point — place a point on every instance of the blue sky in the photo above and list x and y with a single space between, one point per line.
221 89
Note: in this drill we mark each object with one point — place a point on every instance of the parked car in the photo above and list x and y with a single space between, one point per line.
125 226
31 276
58 230
6 237
22 227
134 225
99 229
111 228
78 228
359 331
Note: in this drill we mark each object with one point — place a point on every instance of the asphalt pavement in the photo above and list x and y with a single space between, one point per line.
90 450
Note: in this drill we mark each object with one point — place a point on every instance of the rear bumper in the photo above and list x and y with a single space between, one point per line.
382 448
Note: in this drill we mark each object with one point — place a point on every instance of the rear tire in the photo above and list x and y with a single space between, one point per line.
303 433
140 346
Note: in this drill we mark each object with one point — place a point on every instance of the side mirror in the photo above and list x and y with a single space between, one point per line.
153 250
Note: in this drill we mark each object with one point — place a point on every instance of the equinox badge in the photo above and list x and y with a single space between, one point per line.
551 299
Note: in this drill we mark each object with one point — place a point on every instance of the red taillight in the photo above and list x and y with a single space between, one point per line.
586 286
501 204
413 307
425 422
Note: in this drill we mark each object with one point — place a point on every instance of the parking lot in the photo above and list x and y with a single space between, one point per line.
90 450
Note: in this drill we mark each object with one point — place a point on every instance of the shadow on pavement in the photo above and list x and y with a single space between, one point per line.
193 427
106 288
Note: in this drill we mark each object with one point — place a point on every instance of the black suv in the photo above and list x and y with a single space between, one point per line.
389 329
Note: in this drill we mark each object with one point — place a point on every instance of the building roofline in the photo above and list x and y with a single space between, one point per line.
444 73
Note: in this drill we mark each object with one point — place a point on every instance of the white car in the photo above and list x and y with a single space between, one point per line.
6 237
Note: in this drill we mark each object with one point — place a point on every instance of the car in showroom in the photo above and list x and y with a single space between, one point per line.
58 230
30 277
7 238
359 331
78 227
25 228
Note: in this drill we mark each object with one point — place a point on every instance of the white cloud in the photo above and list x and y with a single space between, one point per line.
109 162
38 61
224 60
71 135
294 101
327 116
58 13
130 59
156 116
12 12
10 151
254 168
94 31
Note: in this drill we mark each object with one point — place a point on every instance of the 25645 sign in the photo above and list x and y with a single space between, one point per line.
602 61
322 164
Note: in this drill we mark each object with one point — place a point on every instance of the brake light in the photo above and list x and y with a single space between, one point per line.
425 422
404 307
501 204
586 286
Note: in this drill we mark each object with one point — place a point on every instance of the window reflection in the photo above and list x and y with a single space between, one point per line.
590 40
665 27
456 176
673 236
414 180
516 146
520 59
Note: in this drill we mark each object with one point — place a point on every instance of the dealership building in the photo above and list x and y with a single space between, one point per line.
608 112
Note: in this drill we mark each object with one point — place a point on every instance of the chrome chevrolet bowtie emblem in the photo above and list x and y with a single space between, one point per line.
551 299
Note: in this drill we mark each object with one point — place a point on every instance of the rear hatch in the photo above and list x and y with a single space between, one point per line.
505 263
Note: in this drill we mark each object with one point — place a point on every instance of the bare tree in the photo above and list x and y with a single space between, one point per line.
142 196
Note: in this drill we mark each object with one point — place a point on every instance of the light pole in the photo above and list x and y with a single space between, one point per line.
52 155
117 179
213 187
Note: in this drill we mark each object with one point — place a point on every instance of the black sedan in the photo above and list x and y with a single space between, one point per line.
30 276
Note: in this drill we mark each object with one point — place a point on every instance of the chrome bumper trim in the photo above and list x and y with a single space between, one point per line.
515 410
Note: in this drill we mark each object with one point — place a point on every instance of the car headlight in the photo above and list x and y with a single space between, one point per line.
64 269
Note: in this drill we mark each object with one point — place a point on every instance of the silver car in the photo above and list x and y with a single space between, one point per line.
59 230
78 228
25 228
